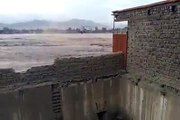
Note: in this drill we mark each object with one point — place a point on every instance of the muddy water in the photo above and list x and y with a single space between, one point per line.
22 51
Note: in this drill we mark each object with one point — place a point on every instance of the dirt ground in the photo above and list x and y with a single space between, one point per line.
24 51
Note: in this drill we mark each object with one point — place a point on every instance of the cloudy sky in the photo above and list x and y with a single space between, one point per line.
60 10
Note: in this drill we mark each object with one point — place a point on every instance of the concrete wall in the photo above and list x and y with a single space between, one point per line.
84 102
115 96
146 101
27 104
119 97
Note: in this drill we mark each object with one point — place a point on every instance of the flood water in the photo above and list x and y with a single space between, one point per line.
23 51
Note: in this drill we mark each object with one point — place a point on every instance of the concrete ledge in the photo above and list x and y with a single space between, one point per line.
159 84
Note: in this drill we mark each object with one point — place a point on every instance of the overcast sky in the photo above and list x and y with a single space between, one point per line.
60 10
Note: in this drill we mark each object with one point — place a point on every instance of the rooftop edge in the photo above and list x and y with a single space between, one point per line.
146 6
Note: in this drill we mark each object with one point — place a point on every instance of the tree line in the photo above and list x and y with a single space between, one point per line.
7 30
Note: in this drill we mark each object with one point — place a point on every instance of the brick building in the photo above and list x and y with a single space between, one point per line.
154 40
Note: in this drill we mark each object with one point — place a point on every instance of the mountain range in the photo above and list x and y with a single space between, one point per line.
44 24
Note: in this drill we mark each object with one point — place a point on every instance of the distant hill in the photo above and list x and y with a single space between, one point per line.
43 24
2 25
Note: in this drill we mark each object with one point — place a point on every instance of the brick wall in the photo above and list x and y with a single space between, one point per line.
154 40
8 76
66 70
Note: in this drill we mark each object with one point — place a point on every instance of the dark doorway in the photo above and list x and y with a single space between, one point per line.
101 115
